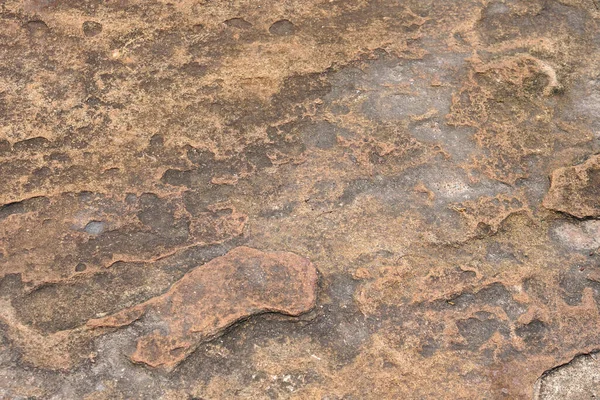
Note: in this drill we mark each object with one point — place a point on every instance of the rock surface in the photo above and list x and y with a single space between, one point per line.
576 190
436 161
578 379
210 298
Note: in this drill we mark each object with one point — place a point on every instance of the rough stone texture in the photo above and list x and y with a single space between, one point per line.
579 379
436 161
576 190
210 298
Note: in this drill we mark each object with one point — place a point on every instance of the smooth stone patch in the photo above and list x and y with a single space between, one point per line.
576 190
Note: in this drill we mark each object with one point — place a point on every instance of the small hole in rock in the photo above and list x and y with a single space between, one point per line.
91 28
282 28
238 23
37 28
80 267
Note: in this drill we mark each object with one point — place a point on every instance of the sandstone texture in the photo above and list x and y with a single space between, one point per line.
301 199
576 190
210 298
578 379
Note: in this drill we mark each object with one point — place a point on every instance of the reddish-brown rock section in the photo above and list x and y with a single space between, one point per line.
212 297
576 190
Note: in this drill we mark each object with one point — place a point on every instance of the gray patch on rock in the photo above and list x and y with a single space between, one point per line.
578 379
584 235
282 28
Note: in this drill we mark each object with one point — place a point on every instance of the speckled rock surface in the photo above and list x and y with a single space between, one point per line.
435 161
578 379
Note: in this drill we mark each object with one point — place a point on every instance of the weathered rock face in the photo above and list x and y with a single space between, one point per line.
578 379
576 190
210 298
436 161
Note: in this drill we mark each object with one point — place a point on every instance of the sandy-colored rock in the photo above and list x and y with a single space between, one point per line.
576 190
210 298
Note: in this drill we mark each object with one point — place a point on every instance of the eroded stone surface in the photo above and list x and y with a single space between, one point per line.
97 230
210 298
578 379
405 148
576 190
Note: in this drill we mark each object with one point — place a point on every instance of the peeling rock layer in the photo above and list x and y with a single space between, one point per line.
210 298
